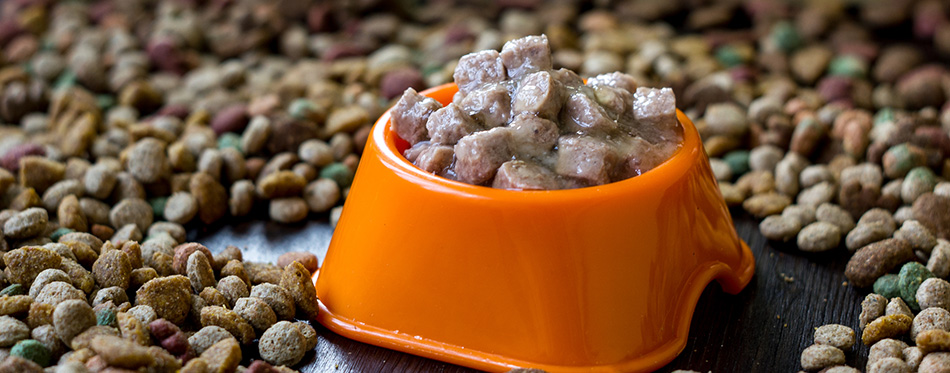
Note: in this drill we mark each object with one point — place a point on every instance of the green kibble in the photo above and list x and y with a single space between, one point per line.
105 101
900 159
66 80
15 289
229 140
922 175
888 286
785 36
338 172
728 56
885 115
158 205
32 350
911 276
105 316
849 66
738 162
59 233
302 108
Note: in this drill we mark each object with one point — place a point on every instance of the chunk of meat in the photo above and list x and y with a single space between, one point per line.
586 158
478 156
654 111
526 55
539 94
410 114
522 175
615 101
532 136
616 80
435 159
638 156
477 69
490 105
449 124
583 115
567 78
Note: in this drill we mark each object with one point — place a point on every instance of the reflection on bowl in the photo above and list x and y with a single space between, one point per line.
601 278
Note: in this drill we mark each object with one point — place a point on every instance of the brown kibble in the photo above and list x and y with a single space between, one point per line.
70 214
211 196
236 268
296 279
15 305
228 254
170 297
308 260
121 352
133 329
140 276
877 259
886 327
933 340
281 184
223 356
40 314
112 269
40 173
213 297
24 264
230 321
762 205
183 251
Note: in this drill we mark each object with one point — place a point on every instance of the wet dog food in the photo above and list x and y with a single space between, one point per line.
517 123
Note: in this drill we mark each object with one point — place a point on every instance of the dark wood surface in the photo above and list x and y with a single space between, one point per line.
762 329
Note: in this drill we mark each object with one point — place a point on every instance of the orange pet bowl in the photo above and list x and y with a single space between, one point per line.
601 278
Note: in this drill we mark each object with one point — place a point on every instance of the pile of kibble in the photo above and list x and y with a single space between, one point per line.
125 123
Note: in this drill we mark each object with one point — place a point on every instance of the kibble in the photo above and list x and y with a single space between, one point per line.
839 336
929 319
819 356
283 344
889 326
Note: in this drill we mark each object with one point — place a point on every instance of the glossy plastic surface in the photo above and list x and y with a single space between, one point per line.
594 279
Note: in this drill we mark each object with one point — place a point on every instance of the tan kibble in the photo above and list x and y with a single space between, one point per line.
208 336
19 365
886 348
70 214
835 335
232 288
40 314
46 277
58 292
897 307
170 297
929 319
296 279
284 344
82 279
934 292
228 254
134 251
886 327
223 356
12 331
143 313
196 365
934 362
120 352
762 205
309 333
112 269
199 271
278 298
256 312
183 252
889 365
230 321
84 339
72 317
818 356
164 361
872 307
913 357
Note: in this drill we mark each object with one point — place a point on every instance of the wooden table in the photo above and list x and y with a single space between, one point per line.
762 329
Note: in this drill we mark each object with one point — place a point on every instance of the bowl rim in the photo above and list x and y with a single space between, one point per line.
665 173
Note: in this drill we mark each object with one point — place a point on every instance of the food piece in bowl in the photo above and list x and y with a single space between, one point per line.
525 175
526 55
410 114
478 156
516 123
489 105
449 124
584 157
477 69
